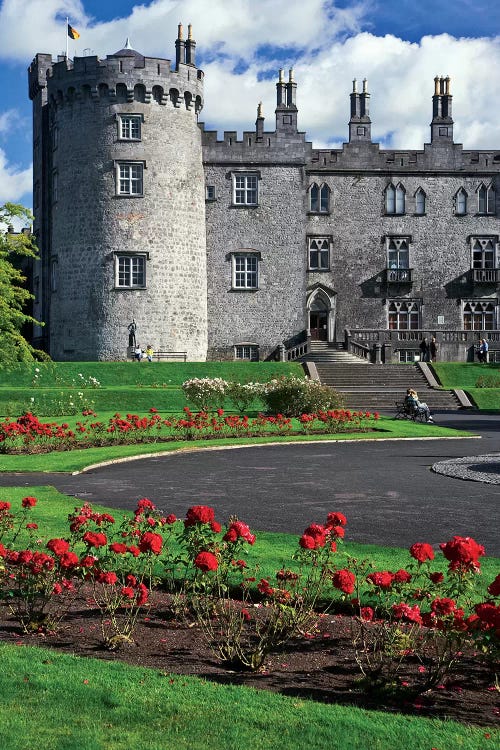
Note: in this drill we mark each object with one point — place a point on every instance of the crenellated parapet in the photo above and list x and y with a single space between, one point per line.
125 76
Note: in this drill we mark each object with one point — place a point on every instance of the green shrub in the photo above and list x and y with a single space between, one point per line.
292 397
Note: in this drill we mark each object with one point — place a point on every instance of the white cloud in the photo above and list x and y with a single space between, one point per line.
326 46
14 182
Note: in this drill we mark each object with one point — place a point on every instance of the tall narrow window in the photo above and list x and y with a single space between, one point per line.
461 202
486 199
420 201
130 179
245 189
319 198
398 259
319 253
245 271
395 199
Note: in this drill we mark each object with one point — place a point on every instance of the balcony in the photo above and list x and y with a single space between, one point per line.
399 275
486 275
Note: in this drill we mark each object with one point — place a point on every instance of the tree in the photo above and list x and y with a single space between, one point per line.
14 296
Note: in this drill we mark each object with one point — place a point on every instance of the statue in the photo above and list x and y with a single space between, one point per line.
132 328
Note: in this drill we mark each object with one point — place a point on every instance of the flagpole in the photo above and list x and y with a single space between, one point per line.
67 36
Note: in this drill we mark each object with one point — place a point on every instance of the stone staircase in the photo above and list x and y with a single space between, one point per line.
374 387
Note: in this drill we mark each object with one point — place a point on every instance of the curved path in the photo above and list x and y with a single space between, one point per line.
386 489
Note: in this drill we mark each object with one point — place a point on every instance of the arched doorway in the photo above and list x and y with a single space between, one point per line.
321 316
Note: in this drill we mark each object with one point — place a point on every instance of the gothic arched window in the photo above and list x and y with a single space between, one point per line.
319 198
395 199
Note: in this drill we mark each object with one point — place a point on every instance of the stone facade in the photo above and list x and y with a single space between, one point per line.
251 245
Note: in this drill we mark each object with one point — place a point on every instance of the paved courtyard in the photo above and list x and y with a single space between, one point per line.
386 489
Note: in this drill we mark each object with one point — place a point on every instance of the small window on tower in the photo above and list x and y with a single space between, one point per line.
210 192
129 127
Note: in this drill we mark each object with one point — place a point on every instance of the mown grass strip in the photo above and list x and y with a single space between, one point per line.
69 703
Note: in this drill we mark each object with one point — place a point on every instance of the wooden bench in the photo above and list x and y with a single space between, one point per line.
404 411
159 355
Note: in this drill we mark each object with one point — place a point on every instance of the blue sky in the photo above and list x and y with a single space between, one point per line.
241 44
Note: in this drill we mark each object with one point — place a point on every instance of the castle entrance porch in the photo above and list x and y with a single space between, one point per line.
321 313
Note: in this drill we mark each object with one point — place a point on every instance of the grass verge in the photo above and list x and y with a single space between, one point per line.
89 704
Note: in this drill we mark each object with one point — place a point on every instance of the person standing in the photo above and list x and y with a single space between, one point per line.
482 352
149 352
433 348
424 350
138 353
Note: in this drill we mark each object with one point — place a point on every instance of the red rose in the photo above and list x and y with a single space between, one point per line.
443 606
25 557
206 561
127 592
494 588
239 530
135 551
118 548
216 527
367 614
106 577
88 561
422 551
402 576
151 542
462 552
344 580
170 518
383 579
32 526
403 611
307 542
335 519
68 560
143 594
199 514
58 546
95 539
29 502
3 551
488 613
4 505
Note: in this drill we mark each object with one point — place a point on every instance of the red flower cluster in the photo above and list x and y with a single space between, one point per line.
463 553
403 611
239 530
344 580
29 502
494 588
206 561
383 580
95 539
151 542
199 514
422 551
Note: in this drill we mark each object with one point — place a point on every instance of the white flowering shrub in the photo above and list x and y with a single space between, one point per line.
243 396
293 396
206 394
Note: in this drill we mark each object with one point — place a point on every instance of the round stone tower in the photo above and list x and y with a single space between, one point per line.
119 204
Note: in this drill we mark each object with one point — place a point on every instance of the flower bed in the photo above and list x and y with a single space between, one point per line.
27 434
409 631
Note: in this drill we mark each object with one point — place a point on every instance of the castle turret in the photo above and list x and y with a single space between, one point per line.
442 121
360 124
123 235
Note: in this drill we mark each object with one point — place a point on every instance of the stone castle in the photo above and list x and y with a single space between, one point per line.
153 231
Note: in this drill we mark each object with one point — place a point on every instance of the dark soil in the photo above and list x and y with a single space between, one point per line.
320 665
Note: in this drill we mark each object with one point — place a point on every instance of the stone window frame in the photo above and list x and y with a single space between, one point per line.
240 188
122 259
210 193
460 200
132 116
245 275
483 311
323 238
413 312
319 197
251 349
486 199
483 239
420 202
120 164
398 240
395 199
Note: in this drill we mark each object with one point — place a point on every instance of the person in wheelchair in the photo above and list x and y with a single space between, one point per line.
413 403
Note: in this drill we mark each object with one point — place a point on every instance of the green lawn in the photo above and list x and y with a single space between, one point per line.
465 375
87 704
